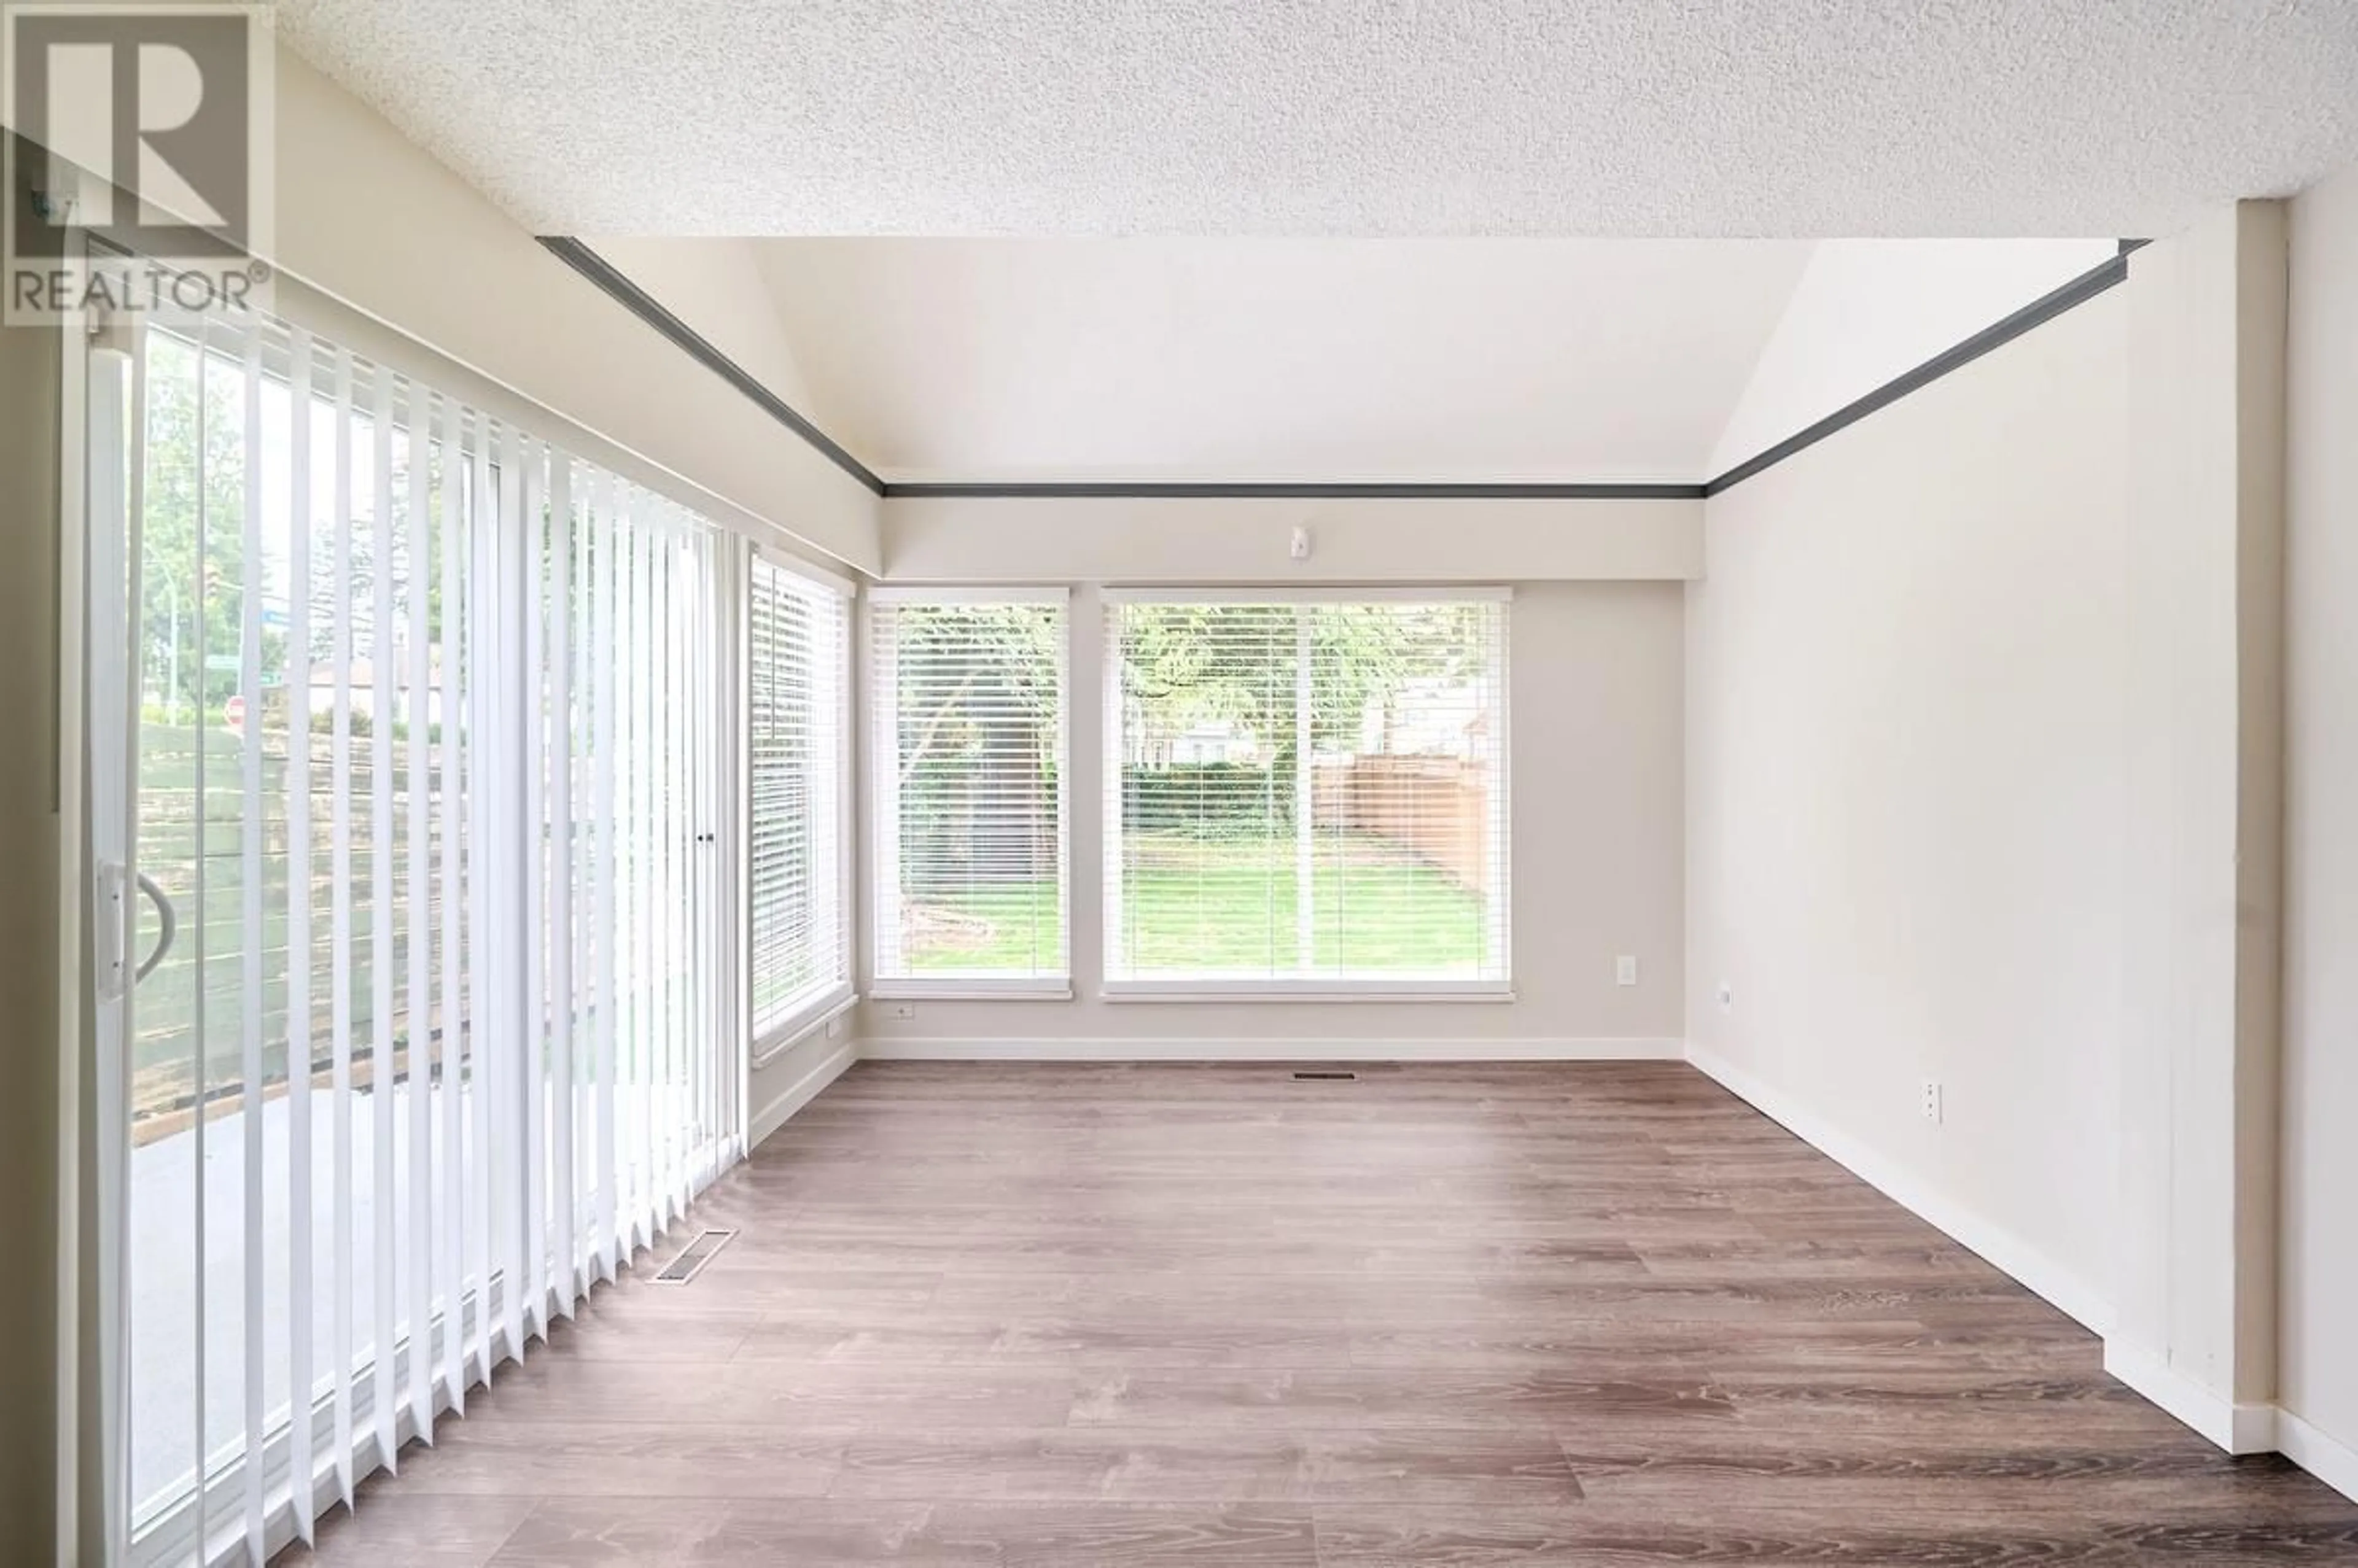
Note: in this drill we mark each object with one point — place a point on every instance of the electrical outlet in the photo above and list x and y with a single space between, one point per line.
1932 1107
1625 971
835 1027
902 1010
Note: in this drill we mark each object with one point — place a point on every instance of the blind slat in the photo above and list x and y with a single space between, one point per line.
450 998
564 549
382 913
251 939
301 1370
966 695
339 1108
417 911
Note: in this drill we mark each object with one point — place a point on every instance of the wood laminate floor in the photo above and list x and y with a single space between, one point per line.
1098 1315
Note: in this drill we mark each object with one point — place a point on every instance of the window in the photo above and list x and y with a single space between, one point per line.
968 696
418 729
796 710
1306 794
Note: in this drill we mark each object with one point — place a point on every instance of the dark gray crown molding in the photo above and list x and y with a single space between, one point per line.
1190 490
696 346
636 300
2045 309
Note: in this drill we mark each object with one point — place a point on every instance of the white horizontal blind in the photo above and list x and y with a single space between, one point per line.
966 695
796 710
428 763
1307 793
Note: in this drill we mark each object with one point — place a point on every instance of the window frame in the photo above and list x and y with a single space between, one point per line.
822 1001
879 801
1117 987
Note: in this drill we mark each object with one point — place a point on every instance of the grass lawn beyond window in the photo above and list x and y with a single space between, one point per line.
1210 905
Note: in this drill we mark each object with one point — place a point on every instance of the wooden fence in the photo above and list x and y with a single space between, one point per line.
1437 808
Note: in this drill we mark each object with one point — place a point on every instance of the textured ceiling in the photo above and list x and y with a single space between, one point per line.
1662 117
1274 360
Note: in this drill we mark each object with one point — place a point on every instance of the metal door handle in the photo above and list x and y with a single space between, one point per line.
167 922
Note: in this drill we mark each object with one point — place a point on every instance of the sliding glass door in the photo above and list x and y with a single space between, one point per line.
408 772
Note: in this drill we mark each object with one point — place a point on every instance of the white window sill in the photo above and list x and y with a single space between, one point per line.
1281 990
970 991
802 1024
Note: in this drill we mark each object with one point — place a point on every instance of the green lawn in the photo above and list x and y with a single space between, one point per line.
1199 905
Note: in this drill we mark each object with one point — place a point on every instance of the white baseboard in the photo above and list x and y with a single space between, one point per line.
2061 1287
800 1093
1216 1048
2237 1428
2331 1461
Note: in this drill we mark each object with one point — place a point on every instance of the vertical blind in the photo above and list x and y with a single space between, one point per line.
967 695
428 758
1306 793
798 707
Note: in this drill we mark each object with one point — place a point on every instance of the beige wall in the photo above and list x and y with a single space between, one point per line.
1904 766
1133 540
1595 665
2319 1371
365 216
1597 694
716 286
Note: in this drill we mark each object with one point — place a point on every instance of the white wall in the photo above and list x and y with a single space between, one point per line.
368 218
2318 1374
1596 693
1904 775
792 1078
1867 311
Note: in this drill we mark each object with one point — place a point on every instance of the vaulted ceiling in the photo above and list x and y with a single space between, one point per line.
1279 359
1489 360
